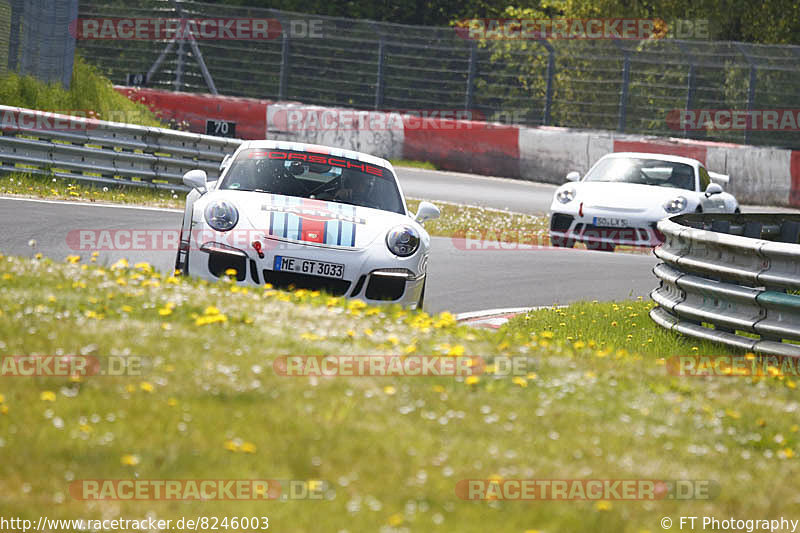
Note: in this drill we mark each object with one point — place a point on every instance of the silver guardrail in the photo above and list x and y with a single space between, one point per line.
733 279
84 149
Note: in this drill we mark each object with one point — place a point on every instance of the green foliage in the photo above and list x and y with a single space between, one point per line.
89 91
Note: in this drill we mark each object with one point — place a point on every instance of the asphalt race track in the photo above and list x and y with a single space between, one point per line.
459 280
500 193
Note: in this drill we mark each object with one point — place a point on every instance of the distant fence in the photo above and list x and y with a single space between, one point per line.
35 38
627 86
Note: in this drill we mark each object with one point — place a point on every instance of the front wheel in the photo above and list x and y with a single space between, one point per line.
557 241
422 295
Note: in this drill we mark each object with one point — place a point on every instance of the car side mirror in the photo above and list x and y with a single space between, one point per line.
573 176
196 179
712 189
427 211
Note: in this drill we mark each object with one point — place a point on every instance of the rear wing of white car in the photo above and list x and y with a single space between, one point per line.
722 179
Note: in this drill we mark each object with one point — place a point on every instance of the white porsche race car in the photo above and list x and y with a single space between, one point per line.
307 216
624 195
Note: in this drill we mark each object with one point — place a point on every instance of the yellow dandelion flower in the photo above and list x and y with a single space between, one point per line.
389 390
351 333
121 264
39 255
248 447
4 409
602 505
395 520
231 272
472 380
165 311
211 310
788 453
231 446
73 259
47 396
733 414
172 402
456 351
393 340
2 399
85 428
438 388
210 319
146 386
532 375
129 460
517 380
546 334
795 428
411 348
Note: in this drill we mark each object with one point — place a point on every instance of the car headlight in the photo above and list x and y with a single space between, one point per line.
676 205
402 241
221 215
565 196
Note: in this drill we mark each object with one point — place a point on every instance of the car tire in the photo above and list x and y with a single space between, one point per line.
181 268
422 296
737 211
561 242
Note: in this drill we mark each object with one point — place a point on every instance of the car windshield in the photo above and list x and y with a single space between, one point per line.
311 175
643 171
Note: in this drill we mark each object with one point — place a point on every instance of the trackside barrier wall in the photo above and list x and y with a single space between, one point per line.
733 279
759 175
104 152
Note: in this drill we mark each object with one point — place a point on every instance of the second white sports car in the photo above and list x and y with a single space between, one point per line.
624 195
307 216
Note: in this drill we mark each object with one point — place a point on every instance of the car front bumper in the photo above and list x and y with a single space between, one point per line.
589 228
374 276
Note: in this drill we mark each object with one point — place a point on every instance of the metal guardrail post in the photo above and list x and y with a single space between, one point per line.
283 82
14 38
471 73
751 89
380 83
691 81
623 96
179 66
551 71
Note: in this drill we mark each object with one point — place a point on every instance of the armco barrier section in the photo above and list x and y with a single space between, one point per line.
733 279
759 175
98 151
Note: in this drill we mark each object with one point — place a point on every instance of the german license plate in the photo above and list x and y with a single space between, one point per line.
610 222
308 266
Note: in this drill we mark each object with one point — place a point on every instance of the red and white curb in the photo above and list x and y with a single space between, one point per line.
491 318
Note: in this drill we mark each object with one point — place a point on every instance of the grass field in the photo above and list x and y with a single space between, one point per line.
208 405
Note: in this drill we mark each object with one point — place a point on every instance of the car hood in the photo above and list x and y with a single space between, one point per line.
310 221
625 196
